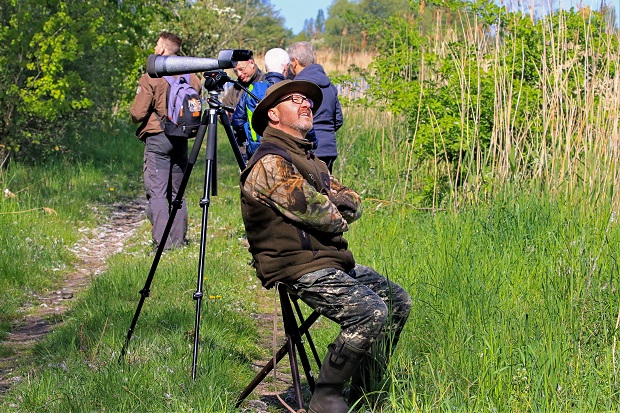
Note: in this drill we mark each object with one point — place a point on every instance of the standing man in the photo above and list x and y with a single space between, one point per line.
247 73
276 65
165 158
328 118
295 214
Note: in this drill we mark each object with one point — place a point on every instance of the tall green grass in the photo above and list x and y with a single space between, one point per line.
515 306
494 97
515 296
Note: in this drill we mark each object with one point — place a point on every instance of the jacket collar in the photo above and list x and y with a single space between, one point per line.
289 142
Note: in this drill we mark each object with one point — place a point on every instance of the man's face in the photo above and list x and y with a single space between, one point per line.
293 66
293 114
245 70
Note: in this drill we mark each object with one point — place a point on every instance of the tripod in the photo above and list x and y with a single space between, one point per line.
214 81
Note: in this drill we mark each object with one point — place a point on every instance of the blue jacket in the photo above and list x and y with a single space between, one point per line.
240 120
328 118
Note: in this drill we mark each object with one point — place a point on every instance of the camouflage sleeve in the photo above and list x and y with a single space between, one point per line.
277 183
346 200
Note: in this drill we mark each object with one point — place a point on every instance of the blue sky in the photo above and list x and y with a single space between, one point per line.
296 11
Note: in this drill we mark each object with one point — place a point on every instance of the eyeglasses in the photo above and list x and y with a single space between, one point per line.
298 99
240 69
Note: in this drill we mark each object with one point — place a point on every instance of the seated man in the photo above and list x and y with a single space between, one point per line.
295 213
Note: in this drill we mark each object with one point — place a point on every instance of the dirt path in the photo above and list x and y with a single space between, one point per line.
92 251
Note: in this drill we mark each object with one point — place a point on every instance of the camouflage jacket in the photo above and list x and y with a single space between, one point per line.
276 182
294 211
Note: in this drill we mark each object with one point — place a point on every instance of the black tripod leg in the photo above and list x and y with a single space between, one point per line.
211 150
176 205
233 142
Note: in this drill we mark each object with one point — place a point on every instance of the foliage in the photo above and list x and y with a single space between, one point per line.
474 90
208 26
349 25
62 63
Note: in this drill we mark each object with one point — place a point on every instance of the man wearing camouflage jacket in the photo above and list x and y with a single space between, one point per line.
295 214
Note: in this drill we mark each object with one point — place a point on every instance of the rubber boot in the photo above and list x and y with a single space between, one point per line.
341 362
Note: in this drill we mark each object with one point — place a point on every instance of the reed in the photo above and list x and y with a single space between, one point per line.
537 105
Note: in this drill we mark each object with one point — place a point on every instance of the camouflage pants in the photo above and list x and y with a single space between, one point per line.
165 161
366 305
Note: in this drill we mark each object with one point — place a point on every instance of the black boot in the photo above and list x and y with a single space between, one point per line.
341 362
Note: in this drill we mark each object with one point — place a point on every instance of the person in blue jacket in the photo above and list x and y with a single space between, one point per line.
328 118
276 64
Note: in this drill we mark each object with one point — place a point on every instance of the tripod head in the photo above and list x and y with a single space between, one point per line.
216 79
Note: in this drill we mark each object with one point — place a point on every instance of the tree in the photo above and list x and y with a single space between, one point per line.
342 31
319 23
208 26
350 25
62 63
67 64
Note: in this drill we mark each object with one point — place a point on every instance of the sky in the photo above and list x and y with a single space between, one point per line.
296 11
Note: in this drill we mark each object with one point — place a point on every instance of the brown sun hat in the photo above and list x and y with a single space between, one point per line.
279 90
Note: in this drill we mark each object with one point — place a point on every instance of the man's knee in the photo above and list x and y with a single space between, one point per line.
380 312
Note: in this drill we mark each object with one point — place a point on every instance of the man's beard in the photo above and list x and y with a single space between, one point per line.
301 126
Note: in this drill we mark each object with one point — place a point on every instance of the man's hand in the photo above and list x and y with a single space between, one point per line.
347 206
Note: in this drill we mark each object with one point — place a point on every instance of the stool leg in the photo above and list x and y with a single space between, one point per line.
292 356
307 333
294 341
292 329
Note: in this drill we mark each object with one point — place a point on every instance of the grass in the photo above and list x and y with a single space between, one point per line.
48 203
515 303
515 306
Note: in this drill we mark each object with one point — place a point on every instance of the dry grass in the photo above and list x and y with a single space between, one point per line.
332 61
571 144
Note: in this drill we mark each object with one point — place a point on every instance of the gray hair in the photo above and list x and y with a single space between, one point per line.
276 60
302 51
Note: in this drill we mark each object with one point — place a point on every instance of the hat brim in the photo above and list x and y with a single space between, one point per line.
277 92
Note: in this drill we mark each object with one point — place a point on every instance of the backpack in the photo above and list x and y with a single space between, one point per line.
184 108
258 89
